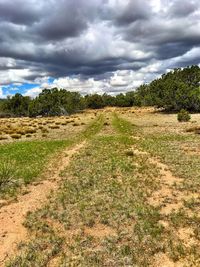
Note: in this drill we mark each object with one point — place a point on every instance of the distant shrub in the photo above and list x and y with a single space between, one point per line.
183 115
3 137
16 136
76 124
20 131
195 129
44 130
7 131
30 130
54 126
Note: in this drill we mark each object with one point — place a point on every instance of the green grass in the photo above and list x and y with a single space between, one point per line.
93 128
23 162
28 159
124 126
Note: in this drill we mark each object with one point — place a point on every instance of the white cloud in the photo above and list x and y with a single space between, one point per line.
86 86
14 76
2 95
33 92
119 81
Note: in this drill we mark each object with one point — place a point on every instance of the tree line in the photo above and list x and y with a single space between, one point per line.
55 102
176 90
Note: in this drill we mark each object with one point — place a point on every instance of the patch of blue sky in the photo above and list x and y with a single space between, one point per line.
12 89
22 88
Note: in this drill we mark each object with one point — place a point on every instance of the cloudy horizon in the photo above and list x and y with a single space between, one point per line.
94 46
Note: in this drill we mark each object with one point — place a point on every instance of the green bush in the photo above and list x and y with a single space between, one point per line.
183 115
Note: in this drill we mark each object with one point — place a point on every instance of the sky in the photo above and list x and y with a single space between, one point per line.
94 46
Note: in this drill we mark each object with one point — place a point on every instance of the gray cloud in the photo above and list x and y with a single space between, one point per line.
96 38
20 12
180 9
131 11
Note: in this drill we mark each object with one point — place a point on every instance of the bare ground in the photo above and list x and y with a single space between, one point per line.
170 199
12 216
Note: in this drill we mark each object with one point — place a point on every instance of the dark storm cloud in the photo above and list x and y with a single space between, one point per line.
132 11
97 37
67 19
19 11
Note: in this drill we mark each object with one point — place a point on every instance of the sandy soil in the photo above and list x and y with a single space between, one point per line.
12 216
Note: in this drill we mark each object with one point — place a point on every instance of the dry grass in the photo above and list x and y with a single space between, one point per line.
40 128
195 129
16 136
131 198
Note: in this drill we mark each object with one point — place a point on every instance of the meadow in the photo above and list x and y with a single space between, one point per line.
128 196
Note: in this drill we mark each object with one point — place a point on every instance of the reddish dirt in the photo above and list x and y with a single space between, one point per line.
12 216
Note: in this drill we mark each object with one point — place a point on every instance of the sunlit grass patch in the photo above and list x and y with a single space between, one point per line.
29 158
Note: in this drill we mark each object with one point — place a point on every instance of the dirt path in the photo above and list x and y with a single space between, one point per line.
169 198
12 216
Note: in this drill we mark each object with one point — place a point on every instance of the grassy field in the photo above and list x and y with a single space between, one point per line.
22 161
129 198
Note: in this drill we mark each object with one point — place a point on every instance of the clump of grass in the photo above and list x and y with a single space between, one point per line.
16 136
20 131
3 137
9 131
30 130
7 173
195 129
44 130
76 124
129 153
54 126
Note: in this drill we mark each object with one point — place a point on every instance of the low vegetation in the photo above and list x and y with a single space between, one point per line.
183 116
116 204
